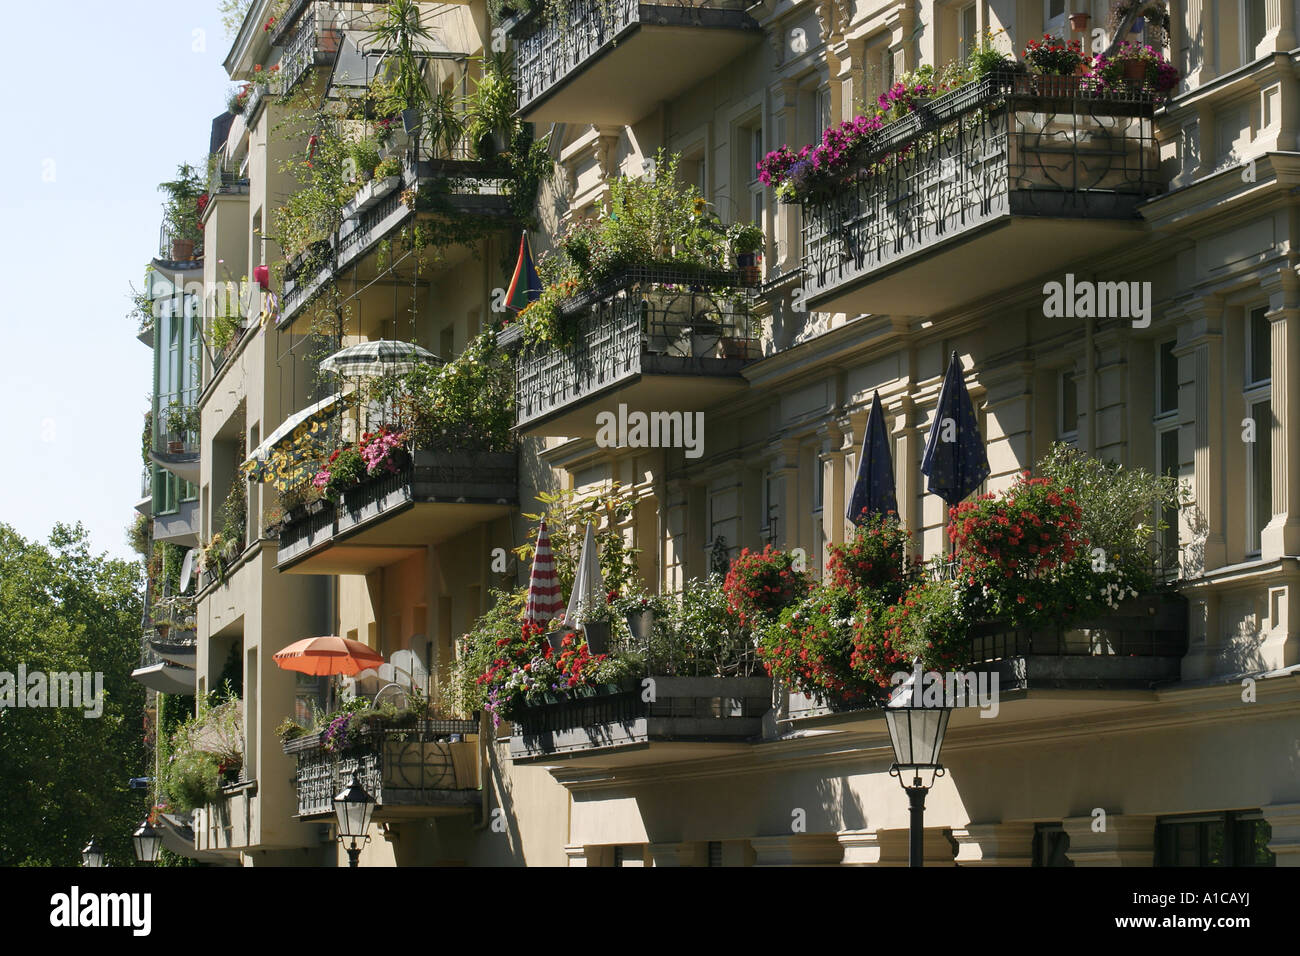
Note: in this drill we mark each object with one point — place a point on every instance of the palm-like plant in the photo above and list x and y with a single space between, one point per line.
398 33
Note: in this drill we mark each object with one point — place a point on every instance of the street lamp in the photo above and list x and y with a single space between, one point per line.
353 807
917 733
92 854
147 842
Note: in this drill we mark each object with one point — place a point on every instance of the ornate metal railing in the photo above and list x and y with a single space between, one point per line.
300 53
407 767
1007 144
550 47
661 311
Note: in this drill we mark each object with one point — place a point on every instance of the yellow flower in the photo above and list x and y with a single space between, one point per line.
699 207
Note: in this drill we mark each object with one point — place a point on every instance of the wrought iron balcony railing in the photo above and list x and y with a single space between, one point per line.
435 767
651 320
488 478
1010 144
551 47
680 710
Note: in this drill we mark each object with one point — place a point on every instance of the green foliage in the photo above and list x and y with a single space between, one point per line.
364 153
182 419
986 58
312 212
464 405
1122 507
64 775
139 535
181 211
567 515
346 468
744 237
232 14
701 635
400 32
647 221
202 748
234 512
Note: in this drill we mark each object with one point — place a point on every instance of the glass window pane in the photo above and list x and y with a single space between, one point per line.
1256 25
1069 403
1261 347
1169 466
1168 378
1261 469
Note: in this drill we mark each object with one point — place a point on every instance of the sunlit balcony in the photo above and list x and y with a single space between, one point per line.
614 61
997 182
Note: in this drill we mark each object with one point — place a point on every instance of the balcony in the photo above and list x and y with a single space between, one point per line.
689 718
430 771
386 519
427 189
612 62
1136 647
654 340
180 525
309 39
994 174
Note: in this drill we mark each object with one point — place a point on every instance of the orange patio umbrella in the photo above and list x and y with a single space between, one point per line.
322 656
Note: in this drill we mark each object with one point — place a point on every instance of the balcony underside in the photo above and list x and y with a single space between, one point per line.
933 278
665 384
393 537
166 678
441 495
645 65
180 526
413 805
636 743
184 465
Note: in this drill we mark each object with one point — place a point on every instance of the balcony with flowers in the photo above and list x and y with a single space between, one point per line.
412 763
634 678
648 307
917 205
394 463
614 61
1055 585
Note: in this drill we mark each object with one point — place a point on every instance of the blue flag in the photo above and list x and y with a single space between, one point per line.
873 492
955 460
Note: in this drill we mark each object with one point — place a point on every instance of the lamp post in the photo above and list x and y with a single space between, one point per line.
353 808
92 854
147 842
916 731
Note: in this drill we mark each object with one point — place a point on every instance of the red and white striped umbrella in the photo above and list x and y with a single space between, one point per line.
544 601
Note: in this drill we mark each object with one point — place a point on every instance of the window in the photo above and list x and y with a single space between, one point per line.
1167 379
447 344
772 489
1254 24
756 191
823 110
1218 839
1050 845
1068 423
966 32
1258 400
1054 18
1167 451
715 853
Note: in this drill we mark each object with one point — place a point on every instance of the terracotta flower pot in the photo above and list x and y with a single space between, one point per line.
182 250
1135 70
1079 22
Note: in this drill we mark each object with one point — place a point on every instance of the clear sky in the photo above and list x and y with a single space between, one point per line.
100 111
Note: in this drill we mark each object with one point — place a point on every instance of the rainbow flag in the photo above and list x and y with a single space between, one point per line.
525 285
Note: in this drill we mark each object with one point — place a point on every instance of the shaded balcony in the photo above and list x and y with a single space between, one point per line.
688 718
388 518
426 189
1009 169
432 770
656 339
612 62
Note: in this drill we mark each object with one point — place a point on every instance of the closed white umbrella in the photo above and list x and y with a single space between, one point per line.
588 589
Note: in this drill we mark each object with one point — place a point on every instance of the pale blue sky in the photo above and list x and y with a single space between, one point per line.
114 99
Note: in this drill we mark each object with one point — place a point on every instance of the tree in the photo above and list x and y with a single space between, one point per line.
64 776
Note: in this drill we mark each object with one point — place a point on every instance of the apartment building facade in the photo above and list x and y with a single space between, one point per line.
1179 751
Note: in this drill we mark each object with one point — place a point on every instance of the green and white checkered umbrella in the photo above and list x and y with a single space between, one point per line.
377 358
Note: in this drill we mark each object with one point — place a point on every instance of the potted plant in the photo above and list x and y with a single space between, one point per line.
181 211
1079 22
745 240
181 421
1056 62
641 610
1138 65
